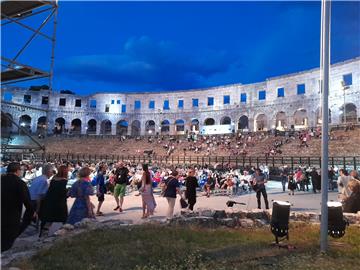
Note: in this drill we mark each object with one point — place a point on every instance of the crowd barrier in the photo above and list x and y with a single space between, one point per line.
214 161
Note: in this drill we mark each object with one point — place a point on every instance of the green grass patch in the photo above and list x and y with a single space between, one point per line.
159 247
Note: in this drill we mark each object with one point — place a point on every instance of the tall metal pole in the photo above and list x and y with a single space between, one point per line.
344 111
324 76
52 61
53 47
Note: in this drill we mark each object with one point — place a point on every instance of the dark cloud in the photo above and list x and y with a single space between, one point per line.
149 65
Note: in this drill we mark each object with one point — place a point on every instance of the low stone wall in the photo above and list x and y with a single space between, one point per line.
242 218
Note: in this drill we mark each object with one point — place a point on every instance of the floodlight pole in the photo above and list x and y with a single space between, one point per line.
324 76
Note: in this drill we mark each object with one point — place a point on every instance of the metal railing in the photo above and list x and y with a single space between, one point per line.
214 161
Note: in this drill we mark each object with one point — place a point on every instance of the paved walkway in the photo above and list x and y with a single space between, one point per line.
301 201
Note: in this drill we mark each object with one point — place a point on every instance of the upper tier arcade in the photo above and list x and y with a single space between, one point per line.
289 101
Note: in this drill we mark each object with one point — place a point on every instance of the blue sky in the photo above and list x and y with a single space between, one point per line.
142 46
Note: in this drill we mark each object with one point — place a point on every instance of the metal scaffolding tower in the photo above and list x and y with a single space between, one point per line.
16 13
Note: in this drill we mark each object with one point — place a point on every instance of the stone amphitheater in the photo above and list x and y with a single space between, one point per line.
284 102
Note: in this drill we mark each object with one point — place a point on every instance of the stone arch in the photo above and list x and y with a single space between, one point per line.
226 120
165 126
91 126
209 122
122 127
150 127
301 118
319 116
280 121
243 122
25 122
76 126
59 125
180 125
350 115
194 125
135 128
260 122
41 124
105 127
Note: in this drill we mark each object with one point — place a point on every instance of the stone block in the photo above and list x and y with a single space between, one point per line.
68 227
260 223
85 223
246 223
205 212
352 218
219 214
257 214
228 222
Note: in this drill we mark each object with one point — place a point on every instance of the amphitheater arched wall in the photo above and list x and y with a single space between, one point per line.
159 106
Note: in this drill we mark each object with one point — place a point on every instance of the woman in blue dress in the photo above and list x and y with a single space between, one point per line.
81 190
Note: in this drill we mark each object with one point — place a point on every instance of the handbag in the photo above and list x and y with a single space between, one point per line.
183 203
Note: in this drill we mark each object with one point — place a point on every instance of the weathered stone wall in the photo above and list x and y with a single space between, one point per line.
244 218
252 109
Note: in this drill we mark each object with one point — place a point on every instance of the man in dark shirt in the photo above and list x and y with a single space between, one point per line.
121 180
172 188
315 179
331 176
14 194
259 181
191 184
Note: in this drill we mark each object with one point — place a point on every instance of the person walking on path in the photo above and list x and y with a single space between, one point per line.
54 207
121 180
172 188
14 194
81 191
191 184
100 188
38 189
148 200
259 186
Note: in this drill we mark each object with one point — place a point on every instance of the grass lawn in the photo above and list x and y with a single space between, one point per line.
173 248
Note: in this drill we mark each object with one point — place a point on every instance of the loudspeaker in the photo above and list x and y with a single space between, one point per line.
280 219
336 222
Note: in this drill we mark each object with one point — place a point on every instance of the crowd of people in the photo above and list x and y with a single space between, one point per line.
240 144
44 188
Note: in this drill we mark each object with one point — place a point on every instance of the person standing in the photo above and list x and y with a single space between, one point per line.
39 187
14 194
100 188
284 180
121 180
81 191
172 187
148 200
291 184
191 184
331 175
355 175
343 181
259 182
352 203
315 179
54 207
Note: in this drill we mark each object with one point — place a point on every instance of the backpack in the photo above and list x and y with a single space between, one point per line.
94 181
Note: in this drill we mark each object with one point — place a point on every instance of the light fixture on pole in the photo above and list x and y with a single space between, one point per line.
324 77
